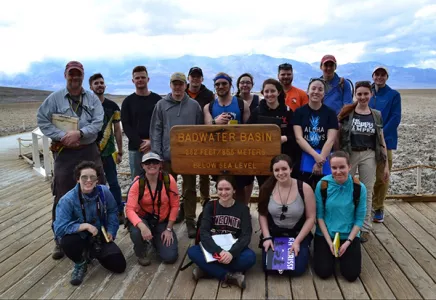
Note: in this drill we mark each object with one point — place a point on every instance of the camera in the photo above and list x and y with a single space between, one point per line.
152 220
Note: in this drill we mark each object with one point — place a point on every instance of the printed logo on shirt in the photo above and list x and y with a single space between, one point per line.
230 221
365 128
314 134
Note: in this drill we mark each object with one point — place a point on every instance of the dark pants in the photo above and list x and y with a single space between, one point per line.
324 261
204 188
110 170
245 260
110 255
168 254
64 163
301 261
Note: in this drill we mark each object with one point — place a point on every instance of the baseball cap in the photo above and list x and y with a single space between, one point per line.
195 70
380 67
151 156
74 65
178 76
328 57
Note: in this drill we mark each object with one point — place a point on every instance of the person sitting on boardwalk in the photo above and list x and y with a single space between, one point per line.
339 212
152 209
224 216
361 136
286 209
81 215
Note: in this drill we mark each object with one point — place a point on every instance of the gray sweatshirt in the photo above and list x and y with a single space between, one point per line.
167 113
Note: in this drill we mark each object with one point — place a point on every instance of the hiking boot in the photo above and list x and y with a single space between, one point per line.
79 273
236 278
58 253
379 216
198 273
364 236
144 261
181 215
192 231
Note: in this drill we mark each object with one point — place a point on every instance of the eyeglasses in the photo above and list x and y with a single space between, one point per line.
151 162
245 83
85 178
224 83
284 210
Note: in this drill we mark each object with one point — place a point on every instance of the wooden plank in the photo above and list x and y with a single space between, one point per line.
326 288
410 225
184 285
419 218
413 198
14 260
397 281
413 271
351 290
426 211
167 273
13 209
302 287
432 205
416 250
11 189
206 288
374 283
11 247
279 286
19 197
24 267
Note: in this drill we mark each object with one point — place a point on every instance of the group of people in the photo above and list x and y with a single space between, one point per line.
326 139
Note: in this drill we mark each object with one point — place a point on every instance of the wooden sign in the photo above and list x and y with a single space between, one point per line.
224 149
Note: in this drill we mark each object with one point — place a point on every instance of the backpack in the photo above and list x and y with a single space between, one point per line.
241 104
342 82
357 188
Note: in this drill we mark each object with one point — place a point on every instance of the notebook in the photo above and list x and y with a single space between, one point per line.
336 244
225 241
281 259
307 162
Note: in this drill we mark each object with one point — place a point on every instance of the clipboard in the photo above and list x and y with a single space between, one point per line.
65 123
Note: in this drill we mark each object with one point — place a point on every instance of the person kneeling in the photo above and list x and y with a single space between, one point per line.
152 207
339 210
286 209
224 216
81 215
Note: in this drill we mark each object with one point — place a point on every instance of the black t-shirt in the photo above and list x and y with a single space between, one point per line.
136 112
315 124
363 131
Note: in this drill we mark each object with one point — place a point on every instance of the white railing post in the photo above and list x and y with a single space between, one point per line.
47 158
35 151
418 178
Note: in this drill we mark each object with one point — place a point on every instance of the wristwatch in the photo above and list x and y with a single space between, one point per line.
213 122
169 229
350 240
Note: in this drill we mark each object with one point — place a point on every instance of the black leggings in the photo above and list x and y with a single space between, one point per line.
110 255
324 261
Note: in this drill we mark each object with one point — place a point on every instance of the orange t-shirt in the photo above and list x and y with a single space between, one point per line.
296 98
192 94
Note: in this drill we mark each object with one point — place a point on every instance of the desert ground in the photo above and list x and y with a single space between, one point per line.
416 134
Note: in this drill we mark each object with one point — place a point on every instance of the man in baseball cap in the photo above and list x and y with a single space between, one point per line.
178 76
70 147
388 102
339 90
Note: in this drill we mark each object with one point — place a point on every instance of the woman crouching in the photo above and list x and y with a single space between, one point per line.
286 209
339 209
224 216
81 215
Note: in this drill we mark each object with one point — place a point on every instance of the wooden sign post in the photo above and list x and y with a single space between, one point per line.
224 149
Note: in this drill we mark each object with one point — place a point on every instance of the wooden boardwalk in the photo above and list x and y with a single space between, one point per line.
399 261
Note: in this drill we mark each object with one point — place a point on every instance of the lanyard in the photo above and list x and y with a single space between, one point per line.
79 103
82 206
157 193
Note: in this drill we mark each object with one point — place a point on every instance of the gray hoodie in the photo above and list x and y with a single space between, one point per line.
167 113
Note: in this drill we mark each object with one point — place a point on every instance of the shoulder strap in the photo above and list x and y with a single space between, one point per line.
167 182
141 188
241 105
324 187
300 189
357 188
211 106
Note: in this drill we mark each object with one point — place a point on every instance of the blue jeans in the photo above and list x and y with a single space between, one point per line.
301 261
245 260
135 158
110 171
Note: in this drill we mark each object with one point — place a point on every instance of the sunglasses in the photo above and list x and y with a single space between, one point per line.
284 210
85 178
224 83
151 162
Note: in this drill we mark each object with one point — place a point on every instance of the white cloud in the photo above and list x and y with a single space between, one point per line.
32 31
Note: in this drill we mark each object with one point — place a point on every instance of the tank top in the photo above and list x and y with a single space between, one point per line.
293 215
232 109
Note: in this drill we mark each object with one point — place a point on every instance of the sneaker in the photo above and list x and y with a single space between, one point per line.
144 261
192 231
58 253
364 236
198 273
79 273
181 215
379 216
237 279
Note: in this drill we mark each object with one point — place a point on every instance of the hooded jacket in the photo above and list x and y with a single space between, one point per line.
204 96
339 213
336 96
167 113
388 102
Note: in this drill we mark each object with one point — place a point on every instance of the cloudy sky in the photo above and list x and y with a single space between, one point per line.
402 33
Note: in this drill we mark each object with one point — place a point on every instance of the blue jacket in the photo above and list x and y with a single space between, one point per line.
69 213
388 102
339 213
336 97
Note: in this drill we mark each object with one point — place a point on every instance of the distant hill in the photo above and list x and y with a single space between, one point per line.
48 75
10 94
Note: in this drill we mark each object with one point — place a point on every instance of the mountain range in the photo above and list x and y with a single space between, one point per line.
48 74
